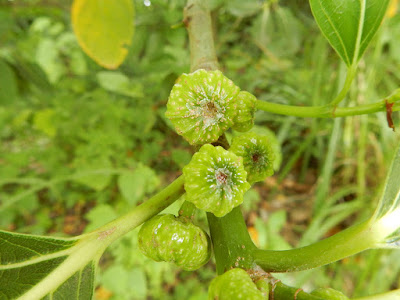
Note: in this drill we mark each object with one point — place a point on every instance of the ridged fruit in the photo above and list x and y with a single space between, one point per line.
174 239
232 285
215 180
246 104
257 155
202 106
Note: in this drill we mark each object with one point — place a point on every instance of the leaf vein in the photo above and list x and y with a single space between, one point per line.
336 32
371 32
20 246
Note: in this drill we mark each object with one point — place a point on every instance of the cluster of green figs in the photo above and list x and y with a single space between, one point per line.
202 106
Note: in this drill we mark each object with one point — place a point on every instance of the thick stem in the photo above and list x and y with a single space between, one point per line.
233 246
231 240
198 23
343 244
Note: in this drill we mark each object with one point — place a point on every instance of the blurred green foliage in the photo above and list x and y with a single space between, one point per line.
80 145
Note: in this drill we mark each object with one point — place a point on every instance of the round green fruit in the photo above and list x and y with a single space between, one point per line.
232 285
258 156
172 239
215 180
246 106
202 106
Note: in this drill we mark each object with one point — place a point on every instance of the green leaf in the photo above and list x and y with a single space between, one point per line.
390 199
100 215
36 267
32 73
274 23
104 29
7 23
181 157
349 25
387 213
95 180
8 86
78 286
44 121
119 83
131 186
47 57
242 9
134 185
129 284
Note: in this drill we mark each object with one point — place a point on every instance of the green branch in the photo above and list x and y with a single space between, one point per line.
197 20
117 228
351 72
233 246
343 244
329 111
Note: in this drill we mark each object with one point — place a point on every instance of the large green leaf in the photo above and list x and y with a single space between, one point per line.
390 199
387 214
36 267
349 25
104 29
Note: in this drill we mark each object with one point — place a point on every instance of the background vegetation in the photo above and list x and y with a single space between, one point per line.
80 144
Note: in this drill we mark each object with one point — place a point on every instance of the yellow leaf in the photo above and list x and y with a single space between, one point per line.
104 29
254 235
392 9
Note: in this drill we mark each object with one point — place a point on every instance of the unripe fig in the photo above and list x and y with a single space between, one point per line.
202 106
246 106
232 285
174 239
215 180
257 155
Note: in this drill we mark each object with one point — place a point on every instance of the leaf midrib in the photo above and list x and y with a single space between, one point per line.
41 258
81 254
360 28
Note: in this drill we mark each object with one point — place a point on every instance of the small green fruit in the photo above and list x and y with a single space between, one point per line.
244 120
257 155
202 106
172 239
232 285
215 180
